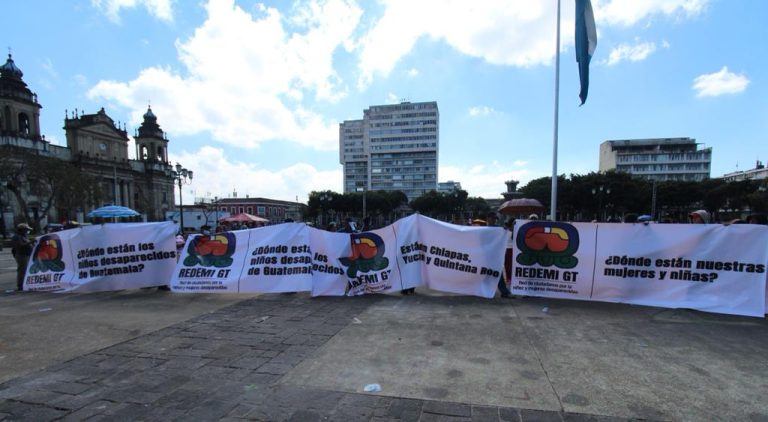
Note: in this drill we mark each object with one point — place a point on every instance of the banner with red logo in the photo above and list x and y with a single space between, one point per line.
354 264
415 251
103 257
713 268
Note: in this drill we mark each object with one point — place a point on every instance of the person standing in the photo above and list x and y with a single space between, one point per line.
490 221
22 249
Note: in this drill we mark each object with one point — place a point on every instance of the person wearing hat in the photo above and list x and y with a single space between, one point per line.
699 217
21 250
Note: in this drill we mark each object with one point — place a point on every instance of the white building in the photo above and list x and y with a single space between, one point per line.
657 159
757 173
448 187
394 147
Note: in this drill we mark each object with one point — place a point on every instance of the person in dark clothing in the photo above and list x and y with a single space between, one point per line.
22 249
490 221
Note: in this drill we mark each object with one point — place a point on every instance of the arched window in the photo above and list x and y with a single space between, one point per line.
23 124
160 154
143 152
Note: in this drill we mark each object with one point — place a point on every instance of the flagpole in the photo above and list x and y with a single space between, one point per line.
553 198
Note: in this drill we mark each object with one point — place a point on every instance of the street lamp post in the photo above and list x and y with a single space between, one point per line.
324 199
364 190
216 204
181 176
599 191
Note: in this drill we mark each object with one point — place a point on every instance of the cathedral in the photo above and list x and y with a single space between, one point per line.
96 146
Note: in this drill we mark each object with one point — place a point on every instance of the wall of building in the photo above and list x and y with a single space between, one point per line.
396 145
657 159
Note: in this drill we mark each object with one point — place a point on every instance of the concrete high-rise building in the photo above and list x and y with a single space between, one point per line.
657 159
394 147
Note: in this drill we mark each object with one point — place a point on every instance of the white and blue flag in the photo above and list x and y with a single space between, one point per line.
586 41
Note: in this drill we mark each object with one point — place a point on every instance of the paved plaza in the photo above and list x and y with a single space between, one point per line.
158 356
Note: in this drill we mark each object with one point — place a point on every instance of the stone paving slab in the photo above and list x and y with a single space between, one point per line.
454 349
228 365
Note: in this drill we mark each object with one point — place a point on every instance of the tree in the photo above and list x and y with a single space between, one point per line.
35 179
382 203
76 190
428 203
477 207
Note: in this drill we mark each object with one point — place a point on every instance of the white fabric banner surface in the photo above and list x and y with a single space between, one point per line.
713 268
449 258
294 257
211 263
103 257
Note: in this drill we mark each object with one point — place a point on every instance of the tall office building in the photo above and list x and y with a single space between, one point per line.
394 147
657 159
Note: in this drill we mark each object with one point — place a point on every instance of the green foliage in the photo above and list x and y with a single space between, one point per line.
580 197
378 203
49 180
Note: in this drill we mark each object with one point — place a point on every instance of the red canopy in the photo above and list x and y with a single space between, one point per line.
243 218
520 206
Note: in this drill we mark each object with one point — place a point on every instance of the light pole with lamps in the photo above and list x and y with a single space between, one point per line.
324 199
183 177
599 191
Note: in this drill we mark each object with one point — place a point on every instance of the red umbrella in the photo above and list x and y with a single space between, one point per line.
521 206
243 218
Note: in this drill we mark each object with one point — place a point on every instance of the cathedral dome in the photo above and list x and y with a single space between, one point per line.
9 69
149 114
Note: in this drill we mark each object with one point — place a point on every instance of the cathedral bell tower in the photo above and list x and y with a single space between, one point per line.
151 141
19 109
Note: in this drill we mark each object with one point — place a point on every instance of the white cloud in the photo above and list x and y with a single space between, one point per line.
632 53
499 31
80 79
630 12
486 181
719 83
392 98
481 111
520 33
244 77
161 9
51 80
413 72
214 172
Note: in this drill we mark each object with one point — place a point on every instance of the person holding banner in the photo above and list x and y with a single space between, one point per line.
21 250
490 221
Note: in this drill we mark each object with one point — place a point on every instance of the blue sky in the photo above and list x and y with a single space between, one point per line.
251 93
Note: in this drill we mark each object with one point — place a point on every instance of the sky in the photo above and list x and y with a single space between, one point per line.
251 93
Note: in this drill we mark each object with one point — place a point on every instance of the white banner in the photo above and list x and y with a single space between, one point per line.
294 257
103 257
712 268
211 263
450 258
